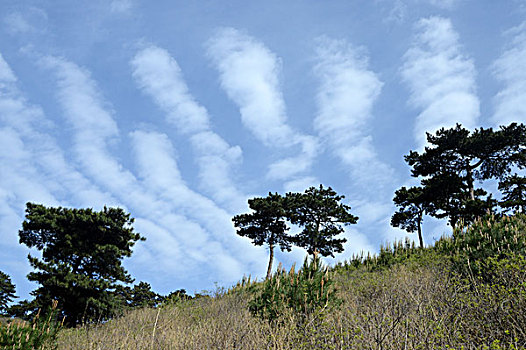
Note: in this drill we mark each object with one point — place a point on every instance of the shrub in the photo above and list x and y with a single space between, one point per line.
390 255
492 309
176 297
303 293
497 237
41 333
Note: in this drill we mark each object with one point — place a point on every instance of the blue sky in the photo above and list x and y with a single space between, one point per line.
179 111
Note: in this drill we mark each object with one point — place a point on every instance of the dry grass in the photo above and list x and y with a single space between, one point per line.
215 323
404 298
405 307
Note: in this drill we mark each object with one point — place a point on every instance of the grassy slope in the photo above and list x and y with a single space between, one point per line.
407 299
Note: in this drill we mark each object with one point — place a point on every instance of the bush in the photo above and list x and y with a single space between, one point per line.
41 333
176 297
390 255
414 305
491 308
491 237
303 293
489 266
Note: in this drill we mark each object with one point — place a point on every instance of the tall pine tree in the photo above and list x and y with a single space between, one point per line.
455 158
321 215
265 224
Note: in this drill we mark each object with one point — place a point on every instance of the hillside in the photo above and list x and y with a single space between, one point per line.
466 292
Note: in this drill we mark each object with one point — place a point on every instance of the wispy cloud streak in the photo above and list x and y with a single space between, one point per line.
159 172
510 70
32 151
444 4
249 73
441 79
159 76
347 92
33 168
94 131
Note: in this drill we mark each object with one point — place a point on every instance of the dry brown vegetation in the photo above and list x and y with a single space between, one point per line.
466 292
416 305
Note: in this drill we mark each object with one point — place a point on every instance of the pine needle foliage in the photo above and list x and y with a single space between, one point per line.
303 293
39 334
390 254
491 237
7 291
81 261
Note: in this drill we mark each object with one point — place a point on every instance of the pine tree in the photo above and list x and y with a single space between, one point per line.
7 292
321 215
81 264
456 158
265 224
514 193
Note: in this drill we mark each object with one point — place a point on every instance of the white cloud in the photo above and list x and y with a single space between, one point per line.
444 4
357 243
16 23
217 160
159 172
441 79
249 73
200 229
121 6
33 168
33 161
345 99
290 167
347 92
159 76
10 217
6 74
521 5
398 12
510 70
301 184
31 20
19 176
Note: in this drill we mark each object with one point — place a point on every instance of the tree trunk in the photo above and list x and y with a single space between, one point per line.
420 238
453 221
315 258
316 251
270 260
470 183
